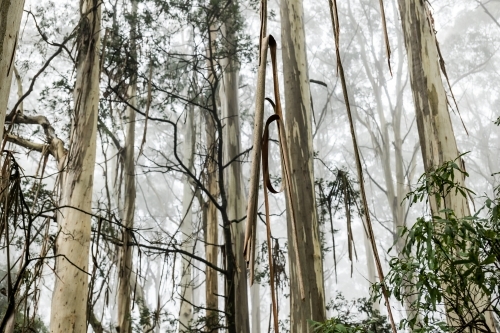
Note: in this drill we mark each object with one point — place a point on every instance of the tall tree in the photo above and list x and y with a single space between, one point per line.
11 12
125 256
298 113
211 228
69 300
437 139
236 201
186 228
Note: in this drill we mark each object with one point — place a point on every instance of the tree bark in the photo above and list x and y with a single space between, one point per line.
11 12
125 253
211 230
186 228
298 115
437 140
255 299
69 301
235 193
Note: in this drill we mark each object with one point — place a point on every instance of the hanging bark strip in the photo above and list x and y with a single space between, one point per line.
250 232
253 192
261 146
286 173
268 186
386 36
336 33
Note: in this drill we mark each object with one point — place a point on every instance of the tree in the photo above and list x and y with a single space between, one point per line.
452 260
309 276
124 324
437 139
11 12
69 300
186 228
236 200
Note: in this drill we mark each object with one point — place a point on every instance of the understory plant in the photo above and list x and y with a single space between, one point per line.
449 265
352 316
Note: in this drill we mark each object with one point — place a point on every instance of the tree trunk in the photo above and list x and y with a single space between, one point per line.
186 228
125 254
211 229
11 12
435 130
255 298
299 139
235 193
370 265
69 301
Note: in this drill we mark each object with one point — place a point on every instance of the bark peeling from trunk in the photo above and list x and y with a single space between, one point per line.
437 139
298 115
11 12
69 301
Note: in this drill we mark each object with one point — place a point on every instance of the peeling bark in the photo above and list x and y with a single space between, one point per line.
437 139
11 12
299 138
69 301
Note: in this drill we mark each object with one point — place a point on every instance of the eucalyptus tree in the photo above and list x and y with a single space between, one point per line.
236 205
179 81
11 12
186 228
437 139
124 324
307 297
69 300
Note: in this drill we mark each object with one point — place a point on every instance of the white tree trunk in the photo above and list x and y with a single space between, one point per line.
125 265
435 130
69 301
125 256
186 228
370 265
11 12
235 192
255 299
298 115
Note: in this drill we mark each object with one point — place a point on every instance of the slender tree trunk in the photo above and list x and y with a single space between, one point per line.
69 301
211 229
370 265
255 299
435 130
299 137
125 252
186 228
11 12
235 193
125 255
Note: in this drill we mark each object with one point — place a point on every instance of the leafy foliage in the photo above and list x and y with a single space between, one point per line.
449 264
352 317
